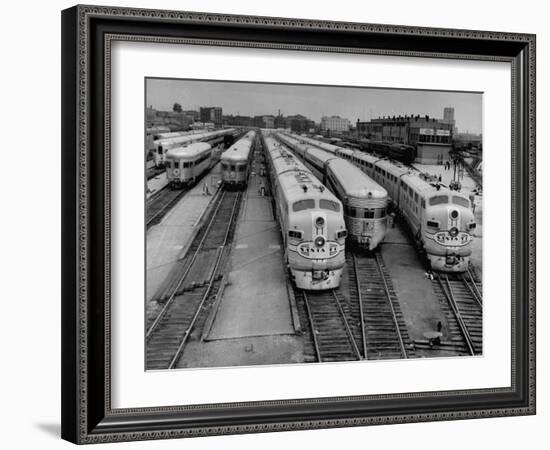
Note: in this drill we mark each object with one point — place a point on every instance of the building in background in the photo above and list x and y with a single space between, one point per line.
211 114
279 121
334 124
269 121
299 124
449 117
192 115
238 121
431 137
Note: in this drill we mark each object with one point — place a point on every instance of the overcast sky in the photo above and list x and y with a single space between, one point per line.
250 99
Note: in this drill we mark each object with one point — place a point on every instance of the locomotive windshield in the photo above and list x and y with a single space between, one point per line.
329 204
301 205
461 201
439 200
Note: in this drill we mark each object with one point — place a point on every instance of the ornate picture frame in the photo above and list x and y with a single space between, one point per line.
88 33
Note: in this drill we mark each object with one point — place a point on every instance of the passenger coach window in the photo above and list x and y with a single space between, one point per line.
301 205
369 214
460 201
330 205
439 200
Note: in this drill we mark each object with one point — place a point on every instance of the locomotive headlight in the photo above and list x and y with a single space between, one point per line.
319 241
319 222
453 231
454 214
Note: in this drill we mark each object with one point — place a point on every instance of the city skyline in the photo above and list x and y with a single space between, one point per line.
364 103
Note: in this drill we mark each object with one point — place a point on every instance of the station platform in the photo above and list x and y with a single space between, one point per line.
255 300
419 304
155 184
167 239
252 321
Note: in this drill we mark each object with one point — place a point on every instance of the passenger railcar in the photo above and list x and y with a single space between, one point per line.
365 201
441 220
235 161
403 153
311 220
184 165
214 138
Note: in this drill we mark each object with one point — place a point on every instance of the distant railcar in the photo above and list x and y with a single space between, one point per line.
214 138
311 220
401 152
381 148
184 165
235 161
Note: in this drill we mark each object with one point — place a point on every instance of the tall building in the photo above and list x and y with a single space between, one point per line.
334 124
449 117
211 114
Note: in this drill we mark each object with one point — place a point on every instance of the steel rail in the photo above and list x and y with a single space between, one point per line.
348 329
454 306
165 206
394 314
474 289
220 252
313 331
160 315
361 312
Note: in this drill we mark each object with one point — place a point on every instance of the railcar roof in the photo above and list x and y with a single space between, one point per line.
427 189
299 185
394 169
284 160
240 150
366 157
189 151
354 181
322 155
193 137
295 179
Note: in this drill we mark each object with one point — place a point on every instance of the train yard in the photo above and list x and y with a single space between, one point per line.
242 284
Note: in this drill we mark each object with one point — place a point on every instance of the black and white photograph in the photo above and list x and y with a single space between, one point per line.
301 223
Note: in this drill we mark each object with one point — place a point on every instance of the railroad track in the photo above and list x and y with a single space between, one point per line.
331 332
161 203
193 291
460 296
375 308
